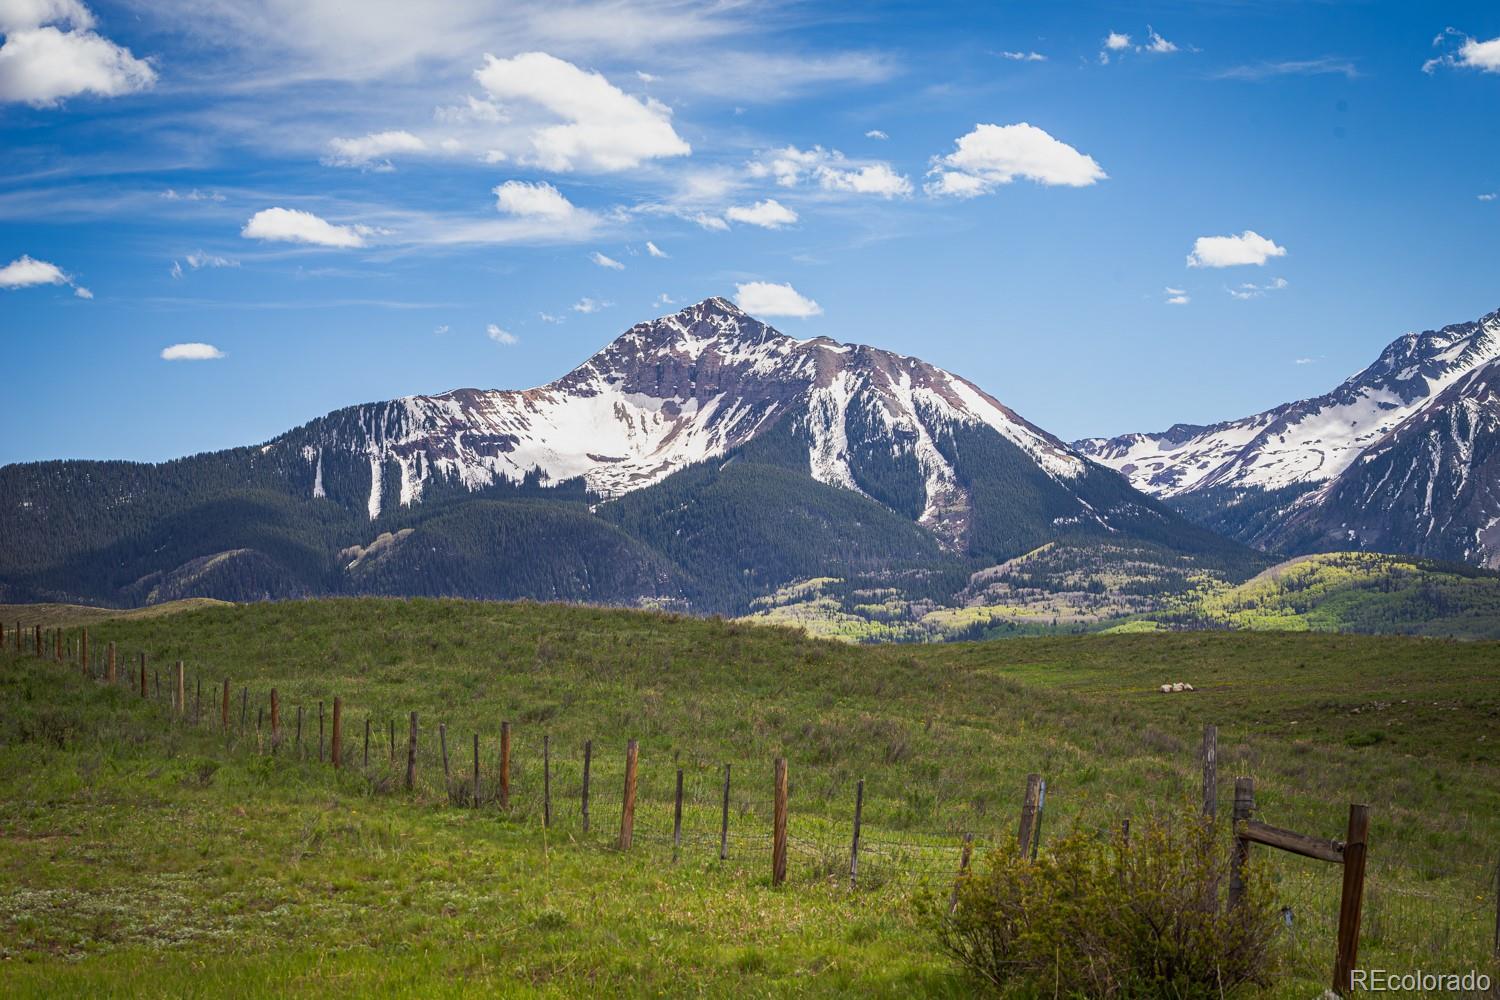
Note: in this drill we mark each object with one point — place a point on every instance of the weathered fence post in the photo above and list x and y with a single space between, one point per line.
320 730
244 706
275 719
1244 807
627 805
859 809
338 733
297 741
588 760
1210 756
475 789
443 743
677 820
505 765
366 763
963 869
37 642
724 819
1028 813
546 781
393 742
57 645
1041 811
411 755
143 675
181 689
1356 843
778 825
83 648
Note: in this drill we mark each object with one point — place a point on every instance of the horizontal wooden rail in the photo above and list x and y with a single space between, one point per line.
1295 843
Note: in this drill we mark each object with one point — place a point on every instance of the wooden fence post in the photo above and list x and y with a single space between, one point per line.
109 669
443 744
338 733
1244 808
83 648
411 754
859 808
627 804
505 765
546 781
197 699
320 730
1041 811
181 689
143 675
1356 845
1210 755
963 869
475 789
724 820
588 760
244 706
37 642
1028 813
366 764
297 742
778 826
677 821
393 742
275 718
57 646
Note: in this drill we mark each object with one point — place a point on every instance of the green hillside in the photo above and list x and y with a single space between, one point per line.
147 856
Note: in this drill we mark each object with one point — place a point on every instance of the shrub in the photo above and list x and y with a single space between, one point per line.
1110 919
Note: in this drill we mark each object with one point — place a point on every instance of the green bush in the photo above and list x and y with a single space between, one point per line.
1113 919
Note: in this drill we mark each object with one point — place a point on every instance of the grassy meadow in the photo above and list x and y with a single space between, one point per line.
143 854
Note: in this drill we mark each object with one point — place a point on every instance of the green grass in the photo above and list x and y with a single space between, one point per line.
141 855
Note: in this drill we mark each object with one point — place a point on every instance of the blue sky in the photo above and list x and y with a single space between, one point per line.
462 193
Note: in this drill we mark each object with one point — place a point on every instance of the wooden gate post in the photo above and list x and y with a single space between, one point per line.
1355 847
1210 756
859 808
1028 813
411 754
778 826
627 805
1239 859
338 732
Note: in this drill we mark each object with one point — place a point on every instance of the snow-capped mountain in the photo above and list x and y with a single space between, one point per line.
667 394
1310 454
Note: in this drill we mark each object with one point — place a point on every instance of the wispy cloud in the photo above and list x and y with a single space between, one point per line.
1324 65
606 262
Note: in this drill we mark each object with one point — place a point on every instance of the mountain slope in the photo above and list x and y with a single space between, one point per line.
1294 478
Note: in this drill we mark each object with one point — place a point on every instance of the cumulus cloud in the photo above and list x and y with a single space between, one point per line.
876 133
1248 247
603 261
992 155
831 170
768 214
372 151
499 336
26 271
1156 43
292 225
528 200
1023 56
1176 296
191 352
1470 53
655 251
602 128
587 305
765 298
1248 290
51 53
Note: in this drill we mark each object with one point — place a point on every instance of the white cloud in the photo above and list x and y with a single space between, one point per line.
655 251
1023 56
539 200
992 155
373 150
199 259
765 298
603 261
176 270
1470 54
1305 361
1177 296
500 336
710 222
602 127
1116 42
664 300
26 272
292 225
876 133
1328 65
171 194
547 317
831 170
587 305
191 352
646 77
440 329
1156 43
1249 290
1490 196
769 214
1248 247
42 64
